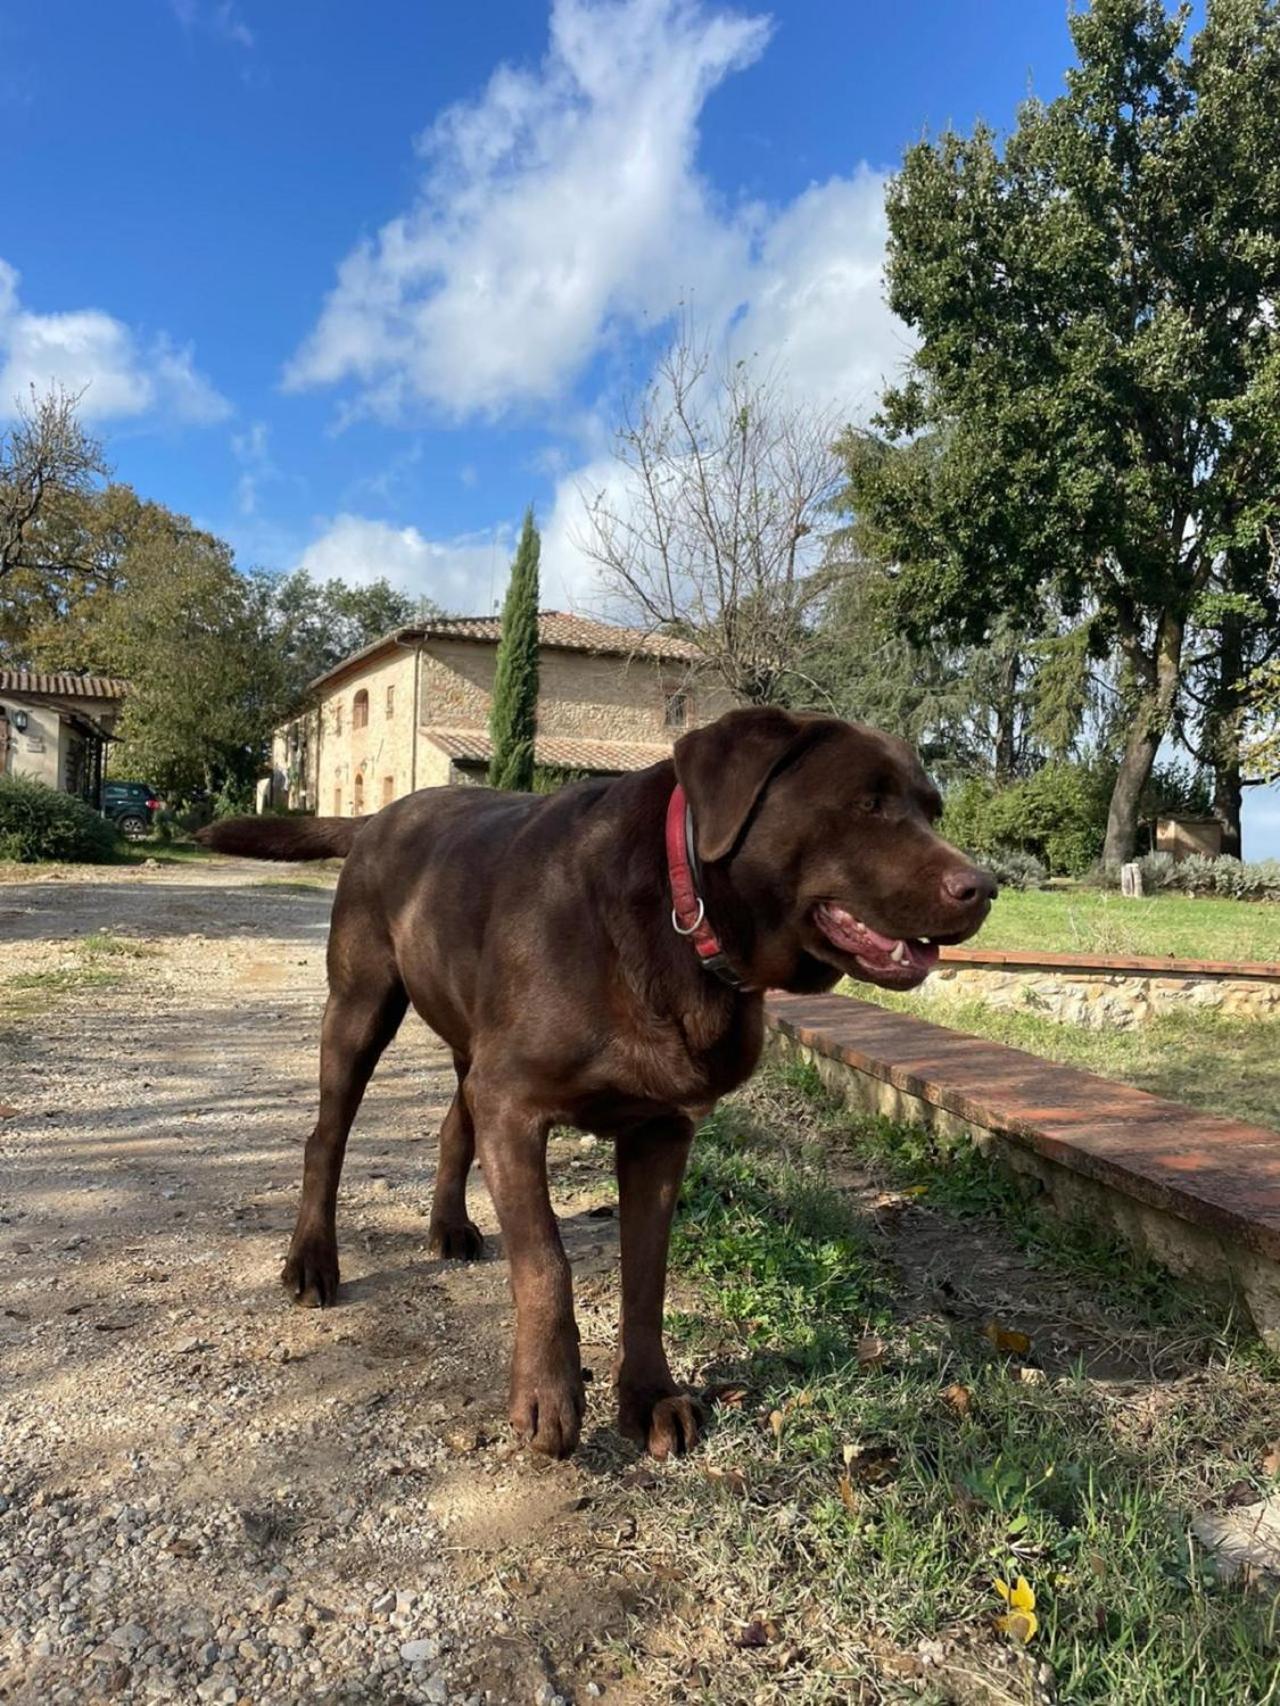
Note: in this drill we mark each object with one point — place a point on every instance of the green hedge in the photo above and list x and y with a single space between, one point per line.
37 822
1058 816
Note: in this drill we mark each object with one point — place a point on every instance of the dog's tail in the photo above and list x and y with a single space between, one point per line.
283 837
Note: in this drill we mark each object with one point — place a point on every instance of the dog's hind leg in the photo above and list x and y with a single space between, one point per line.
360 1019
452 1232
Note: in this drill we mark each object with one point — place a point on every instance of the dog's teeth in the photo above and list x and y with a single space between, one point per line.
926 940
899 953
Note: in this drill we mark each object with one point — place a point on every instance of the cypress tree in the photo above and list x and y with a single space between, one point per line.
514 716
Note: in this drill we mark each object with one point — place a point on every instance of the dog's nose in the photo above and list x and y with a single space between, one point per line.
969 885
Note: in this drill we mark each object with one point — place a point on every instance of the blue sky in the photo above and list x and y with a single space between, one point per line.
351 286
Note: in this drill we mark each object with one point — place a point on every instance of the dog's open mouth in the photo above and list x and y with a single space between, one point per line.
898 962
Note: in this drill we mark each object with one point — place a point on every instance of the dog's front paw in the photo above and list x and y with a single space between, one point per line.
548 1401
460 1241
664 1419
311 1271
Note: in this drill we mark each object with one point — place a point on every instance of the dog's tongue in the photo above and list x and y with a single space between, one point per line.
860 939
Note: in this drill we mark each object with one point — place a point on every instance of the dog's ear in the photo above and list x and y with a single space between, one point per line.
723 769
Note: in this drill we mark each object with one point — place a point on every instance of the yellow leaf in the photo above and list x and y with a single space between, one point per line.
1006 1339
1019 1597
849 1453
776 1419
1020 1626
1020 1621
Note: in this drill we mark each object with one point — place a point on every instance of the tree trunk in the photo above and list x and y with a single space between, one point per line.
1006 709
1135 769
1162 673
1224 735
1228 795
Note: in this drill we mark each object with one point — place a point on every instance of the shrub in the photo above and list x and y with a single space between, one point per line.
37 822
1224 876
1014 869
1058 815
1158 872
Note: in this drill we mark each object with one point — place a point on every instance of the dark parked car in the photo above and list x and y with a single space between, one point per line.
130 806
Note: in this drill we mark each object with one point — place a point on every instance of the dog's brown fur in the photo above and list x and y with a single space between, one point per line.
533 934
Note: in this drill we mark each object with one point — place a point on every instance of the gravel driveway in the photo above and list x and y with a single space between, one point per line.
206 1495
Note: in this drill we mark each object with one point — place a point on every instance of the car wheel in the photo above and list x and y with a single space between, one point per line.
133 825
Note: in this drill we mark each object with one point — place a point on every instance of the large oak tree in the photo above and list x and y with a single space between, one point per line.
1091 420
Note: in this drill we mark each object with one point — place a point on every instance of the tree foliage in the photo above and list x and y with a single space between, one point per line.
317 624
1092 416
513 719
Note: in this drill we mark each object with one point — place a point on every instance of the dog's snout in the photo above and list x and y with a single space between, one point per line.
967 885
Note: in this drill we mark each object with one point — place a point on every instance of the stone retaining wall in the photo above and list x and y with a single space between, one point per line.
1105 1000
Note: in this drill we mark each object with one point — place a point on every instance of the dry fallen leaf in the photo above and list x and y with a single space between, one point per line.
733 1479
1271 1462
776 1419
871 1349
848 1498
732 1397
958 1398
871 1465
758 1633
1006 1339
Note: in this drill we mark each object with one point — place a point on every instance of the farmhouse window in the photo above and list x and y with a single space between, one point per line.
360 710
675 712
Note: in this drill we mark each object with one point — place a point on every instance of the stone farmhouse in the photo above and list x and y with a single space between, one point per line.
412 710
55 726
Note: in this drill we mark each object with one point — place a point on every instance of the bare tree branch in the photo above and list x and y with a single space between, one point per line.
713 527
44 453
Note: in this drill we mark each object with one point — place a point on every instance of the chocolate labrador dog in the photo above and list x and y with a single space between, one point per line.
597 958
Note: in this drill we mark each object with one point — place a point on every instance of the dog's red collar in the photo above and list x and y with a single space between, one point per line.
688 910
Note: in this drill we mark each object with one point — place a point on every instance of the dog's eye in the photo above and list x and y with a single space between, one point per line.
873 804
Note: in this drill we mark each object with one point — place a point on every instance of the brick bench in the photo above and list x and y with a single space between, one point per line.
1199 1192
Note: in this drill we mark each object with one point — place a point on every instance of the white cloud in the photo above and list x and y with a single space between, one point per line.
463 575
814 296
251 450
122 375
218 18
559 207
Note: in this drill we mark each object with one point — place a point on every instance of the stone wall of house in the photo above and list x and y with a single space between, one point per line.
361 769
1107 1000
435 768
342 770
580 696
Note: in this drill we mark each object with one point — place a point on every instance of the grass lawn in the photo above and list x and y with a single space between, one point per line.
1225 1066
131 853
1094 921
925 1390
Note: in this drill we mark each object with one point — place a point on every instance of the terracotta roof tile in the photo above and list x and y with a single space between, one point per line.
62 683
564 632
560 752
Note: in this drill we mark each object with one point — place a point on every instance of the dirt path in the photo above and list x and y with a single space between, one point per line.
204 1494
